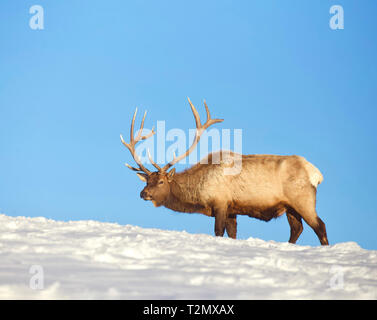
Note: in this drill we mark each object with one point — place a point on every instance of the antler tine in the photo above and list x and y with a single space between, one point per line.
199 131
196 114
131 145
210 121
130 167
207 110
124 142
148 135
132 127
139 137
152 162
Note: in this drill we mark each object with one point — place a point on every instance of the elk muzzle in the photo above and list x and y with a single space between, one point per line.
145 195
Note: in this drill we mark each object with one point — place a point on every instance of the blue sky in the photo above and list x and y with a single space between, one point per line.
272 68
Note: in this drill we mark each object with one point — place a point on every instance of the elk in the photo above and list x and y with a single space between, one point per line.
266 187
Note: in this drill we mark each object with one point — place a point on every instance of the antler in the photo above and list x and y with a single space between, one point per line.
199 131
131 146
200 128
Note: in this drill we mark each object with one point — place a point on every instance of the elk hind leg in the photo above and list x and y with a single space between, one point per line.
320 231
312 219
304 205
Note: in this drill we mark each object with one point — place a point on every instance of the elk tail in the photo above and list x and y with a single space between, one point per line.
315 176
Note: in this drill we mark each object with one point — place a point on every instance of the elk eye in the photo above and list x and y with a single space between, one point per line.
161 182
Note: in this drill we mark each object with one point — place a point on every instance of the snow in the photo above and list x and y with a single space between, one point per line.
46 259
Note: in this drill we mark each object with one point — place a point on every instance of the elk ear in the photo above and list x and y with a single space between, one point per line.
171 174
142 176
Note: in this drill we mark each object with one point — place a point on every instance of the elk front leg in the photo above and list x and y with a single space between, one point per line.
231 226
220 220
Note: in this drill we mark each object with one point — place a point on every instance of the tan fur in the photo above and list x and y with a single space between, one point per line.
259 186
266 188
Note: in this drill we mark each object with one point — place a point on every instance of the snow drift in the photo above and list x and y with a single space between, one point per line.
47 259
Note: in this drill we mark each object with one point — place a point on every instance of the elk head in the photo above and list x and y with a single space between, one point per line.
158 182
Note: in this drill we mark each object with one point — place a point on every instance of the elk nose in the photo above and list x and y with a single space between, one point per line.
143 194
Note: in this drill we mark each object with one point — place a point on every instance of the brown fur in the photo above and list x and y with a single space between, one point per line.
266 188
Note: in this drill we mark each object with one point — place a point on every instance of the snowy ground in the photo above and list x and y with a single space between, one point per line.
47 259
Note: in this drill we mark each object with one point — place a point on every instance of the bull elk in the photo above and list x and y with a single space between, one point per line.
266 187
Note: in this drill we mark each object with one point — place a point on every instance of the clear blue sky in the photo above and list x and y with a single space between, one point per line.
272 68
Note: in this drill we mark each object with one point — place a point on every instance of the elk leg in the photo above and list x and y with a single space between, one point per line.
320 231
231 226
304 205
317 225
295 222
220 221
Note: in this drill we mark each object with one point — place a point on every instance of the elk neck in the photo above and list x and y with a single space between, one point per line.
183 195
